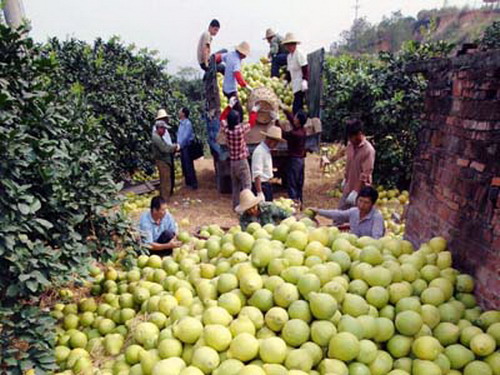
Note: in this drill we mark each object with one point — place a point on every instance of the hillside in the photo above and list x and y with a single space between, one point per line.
453 25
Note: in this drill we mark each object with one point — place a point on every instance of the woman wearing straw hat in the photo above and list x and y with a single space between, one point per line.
253 209
162 120
162 155
277 53
262 162
297 68
233 76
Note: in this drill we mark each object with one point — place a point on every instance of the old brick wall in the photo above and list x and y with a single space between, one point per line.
456 173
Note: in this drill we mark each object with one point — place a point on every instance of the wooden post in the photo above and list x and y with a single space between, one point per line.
13 11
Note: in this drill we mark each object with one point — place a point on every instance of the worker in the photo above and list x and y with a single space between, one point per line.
233 76
253 209
158 227
162 119
162 154
298 72
364 219
262 162
235 132
296 138
277 52
359 164
204 46
185 136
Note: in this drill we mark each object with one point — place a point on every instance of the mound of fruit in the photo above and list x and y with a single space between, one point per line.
259 75
287 299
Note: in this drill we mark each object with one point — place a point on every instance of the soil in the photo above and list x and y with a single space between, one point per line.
206 206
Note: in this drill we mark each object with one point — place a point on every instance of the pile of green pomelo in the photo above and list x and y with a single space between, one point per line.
287 299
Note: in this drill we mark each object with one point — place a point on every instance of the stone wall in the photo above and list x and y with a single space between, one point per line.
456 174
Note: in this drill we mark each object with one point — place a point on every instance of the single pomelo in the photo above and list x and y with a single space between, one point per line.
344 346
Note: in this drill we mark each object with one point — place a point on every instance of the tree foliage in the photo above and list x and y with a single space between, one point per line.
56 196
388 101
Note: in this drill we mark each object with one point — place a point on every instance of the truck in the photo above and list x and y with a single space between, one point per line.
280 154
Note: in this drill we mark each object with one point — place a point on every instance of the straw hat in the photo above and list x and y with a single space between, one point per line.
247 201
161 114
273 132
269 33
243 48
290 38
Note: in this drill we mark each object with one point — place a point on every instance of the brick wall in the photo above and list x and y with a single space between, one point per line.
456 173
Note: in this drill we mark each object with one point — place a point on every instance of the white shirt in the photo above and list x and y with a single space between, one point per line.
295 62
262 163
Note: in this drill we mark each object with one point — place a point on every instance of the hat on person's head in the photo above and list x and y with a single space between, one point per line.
274 132
290 38
269 33
243 48
247 201
161 124
161 114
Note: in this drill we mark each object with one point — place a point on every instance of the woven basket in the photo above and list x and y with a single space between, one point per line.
268 102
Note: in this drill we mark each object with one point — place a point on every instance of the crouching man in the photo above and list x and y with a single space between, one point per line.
253 209
364 219
158 228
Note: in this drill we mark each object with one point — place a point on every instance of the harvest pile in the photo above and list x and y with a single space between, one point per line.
258 75
287 299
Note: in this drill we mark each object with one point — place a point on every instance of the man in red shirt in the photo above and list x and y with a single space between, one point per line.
296 139
235 132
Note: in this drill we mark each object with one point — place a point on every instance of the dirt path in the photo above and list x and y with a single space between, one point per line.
206 206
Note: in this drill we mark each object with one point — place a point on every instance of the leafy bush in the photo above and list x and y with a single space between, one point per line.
56 197
491 37
386 98
124 88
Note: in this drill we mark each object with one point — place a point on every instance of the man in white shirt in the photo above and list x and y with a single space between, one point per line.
203 51
298 71
262 163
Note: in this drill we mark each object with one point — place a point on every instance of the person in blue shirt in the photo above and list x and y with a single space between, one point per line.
185 136
158 227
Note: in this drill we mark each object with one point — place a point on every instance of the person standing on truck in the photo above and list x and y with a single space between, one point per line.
204 46
364 219
262 162
359 164
162 154
232 75
235 132
296 139
298 72
277 52
185 136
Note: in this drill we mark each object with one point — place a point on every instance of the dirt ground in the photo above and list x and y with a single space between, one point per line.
206 206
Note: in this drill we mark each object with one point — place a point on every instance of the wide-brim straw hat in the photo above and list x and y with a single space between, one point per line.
269 33
161 114
273 132
243 48
247 201
290 38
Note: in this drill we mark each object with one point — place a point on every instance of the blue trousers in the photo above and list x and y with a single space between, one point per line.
278 61
295 178
188 168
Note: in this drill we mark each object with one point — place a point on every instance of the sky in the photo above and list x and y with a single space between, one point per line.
173 27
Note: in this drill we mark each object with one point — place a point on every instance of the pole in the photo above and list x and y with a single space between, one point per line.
13 11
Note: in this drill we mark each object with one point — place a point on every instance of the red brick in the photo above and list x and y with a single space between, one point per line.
463 162
457 87
495 182
480 167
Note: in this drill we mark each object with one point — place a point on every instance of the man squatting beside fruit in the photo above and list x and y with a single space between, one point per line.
232 75
359 165
235 131
158 227
162 154
253 209
364 219
298 72
262 161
